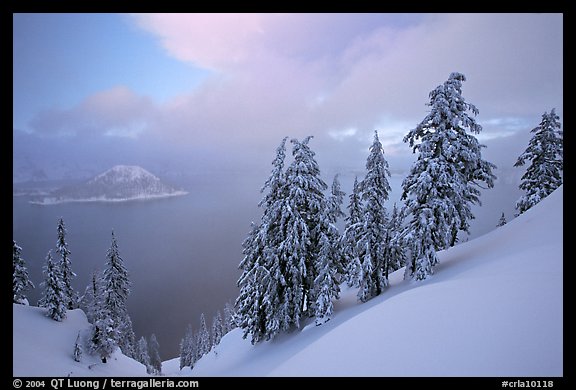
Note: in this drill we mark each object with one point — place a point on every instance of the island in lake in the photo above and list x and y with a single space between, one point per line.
119 184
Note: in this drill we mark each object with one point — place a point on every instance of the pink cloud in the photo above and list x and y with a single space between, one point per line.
208 40
331 72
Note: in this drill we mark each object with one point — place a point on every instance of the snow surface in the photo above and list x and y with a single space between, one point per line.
492 308
127 173
44 347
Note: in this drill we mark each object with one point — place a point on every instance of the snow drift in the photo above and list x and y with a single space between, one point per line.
44 347
493 308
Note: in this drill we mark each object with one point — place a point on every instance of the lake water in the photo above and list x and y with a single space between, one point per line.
182 253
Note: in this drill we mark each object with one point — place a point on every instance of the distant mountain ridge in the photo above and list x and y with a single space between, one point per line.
118 184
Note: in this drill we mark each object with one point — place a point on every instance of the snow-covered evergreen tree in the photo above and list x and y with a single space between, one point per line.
187 348
545 152
304 221
116 291
258 288
420 236
66 267
77 349
196 355
325 288
92 293
117 284
502 220
104 333
53 294
204 340
261 280
154 352
275 184
281 259
329 264
444 181
229 322
142 354
103 340
395 243
20 280
217 329
365 291
127 338
351 252
335 201
375 190
334 213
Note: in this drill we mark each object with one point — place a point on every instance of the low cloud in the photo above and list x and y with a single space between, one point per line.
114 112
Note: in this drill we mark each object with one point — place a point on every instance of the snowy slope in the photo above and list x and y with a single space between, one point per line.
493 308
44 347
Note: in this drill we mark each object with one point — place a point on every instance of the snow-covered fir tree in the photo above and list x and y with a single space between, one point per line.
545 152
20 280
116 291
204 340
502 220
375 190
258 288
261 280
228 320
444 181
154 352
282 254
395 243
196 355
103 337
142 354
217 329
92 293
66 267
329 264
104 333
305 222
77 354
334 213
117 284
53 297
127 340
335 201
326 287
187 348
351 252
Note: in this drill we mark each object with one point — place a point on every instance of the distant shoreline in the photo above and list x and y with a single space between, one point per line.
102 199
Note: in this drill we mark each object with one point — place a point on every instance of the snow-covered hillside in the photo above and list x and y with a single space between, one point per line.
493 308
44 347
120 183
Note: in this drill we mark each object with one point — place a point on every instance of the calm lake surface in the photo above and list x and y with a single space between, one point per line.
182 253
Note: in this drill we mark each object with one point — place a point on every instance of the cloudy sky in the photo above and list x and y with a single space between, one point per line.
235 84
